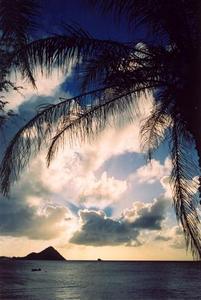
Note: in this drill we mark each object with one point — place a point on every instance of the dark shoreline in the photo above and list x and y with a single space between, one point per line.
102 261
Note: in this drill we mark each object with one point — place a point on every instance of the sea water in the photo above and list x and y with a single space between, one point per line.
91 280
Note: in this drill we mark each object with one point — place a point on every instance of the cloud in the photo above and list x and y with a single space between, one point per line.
114 141
173 237
102 192
98 230
147 215
39 201
42 195
30 210
152 172
73 175
46 86
19 219
35 209
162 238
178 240
65 179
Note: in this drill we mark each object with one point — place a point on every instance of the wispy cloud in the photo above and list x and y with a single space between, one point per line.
46 86
152 172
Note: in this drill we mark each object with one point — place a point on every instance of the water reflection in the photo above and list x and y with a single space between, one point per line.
99 281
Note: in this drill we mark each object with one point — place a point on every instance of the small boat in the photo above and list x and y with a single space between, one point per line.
36 270
99 259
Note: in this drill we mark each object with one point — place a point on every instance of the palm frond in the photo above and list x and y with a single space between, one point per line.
76 46
162 17
34 134
95 71
185 187
135 11
82 117
16 24
17 21
153 130
123 71
134 67
25 68
71 47
112 108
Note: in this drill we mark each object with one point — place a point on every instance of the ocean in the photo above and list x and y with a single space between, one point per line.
91 280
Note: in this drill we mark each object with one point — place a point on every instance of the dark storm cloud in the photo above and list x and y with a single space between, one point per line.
151 217
19 218
22 220
98 230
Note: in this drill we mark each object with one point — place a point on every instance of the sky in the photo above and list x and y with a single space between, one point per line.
98 199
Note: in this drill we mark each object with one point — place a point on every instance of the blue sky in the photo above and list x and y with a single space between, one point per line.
95 200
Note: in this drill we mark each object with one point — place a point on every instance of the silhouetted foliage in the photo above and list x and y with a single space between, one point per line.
16 22
113 76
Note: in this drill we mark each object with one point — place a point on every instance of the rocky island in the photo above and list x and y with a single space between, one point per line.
47 254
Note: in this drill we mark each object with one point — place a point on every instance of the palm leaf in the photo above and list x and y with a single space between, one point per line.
112 108
123 71
161 17
17 21
82 117
153 130
185 187
16 24
63 50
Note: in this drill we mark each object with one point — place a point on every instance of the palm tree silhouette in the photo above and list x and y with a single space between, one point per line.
16 23
113 76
